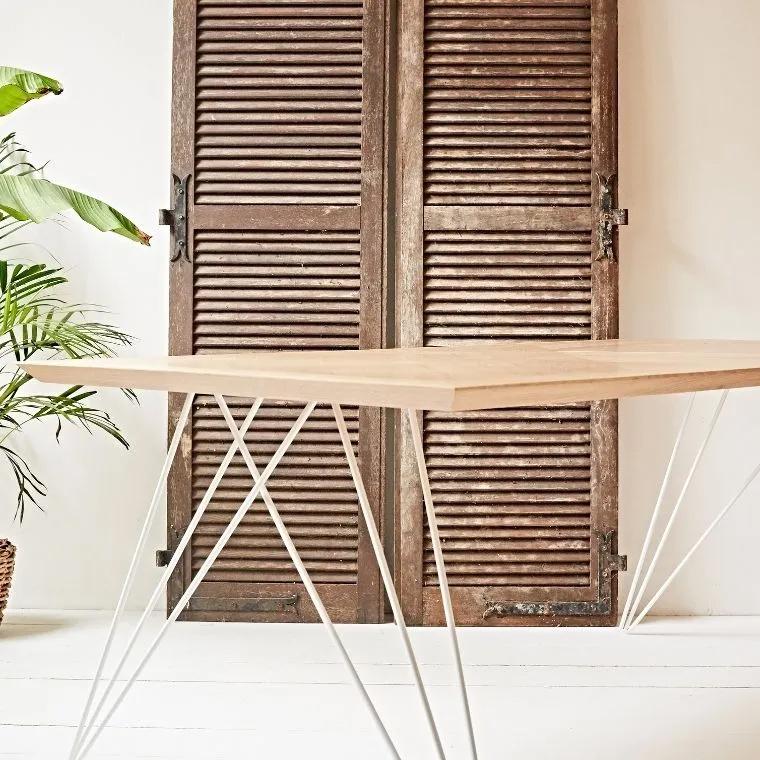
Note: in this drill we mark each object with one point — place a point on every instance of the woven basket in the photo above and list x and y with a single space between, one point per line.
7 557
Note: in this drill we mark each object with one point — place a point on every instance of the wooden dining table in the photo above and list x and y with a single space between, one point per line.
447 379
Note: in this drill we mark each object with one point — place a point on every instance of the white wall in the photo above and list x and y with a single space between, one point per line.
689 159
107 134
690 156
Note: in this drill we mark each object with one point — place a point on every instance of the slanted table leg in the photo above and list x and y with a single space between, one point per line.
306 580
89 732
260 483
442 579
656 513
131 573
377 546
159 589
710 528
630 619
676 508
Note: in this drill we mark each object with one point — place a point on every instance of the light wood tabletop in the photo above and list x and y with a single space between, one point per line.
439 378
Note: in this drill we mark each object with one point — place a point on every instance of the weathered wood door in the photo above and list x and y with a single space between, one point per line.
507 145
278 119
505 156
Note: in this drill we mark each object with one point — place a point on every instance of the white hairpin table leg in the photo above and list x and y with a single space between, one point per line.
442 580
679 501
377 546
306 580
166 575
656 512
710 528
129 580
202 572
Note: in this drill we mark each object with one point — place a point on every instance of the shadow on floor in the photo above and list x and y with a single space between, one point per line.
28 625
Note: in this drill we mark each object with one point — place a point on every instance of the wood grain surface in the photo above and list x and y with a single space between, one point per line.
454 378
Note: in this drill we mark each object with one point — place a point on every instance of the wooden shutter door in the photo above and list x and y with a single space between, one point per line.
507 121
278 116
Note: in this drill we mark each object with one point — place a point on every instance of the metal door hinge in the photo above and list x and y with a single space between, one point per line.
176 218
163 557
609 218
609 564
609 561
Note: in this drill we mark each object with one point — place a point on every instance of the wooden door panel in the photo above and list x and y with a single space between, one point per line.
507 114
278 120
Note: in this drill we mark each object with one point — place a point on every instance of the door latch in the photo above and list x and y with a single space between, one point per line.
176 218
609 218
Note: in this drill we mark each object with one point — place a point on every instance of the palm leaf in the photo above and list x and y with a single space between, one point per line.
28 198
34 319
29 486
18 87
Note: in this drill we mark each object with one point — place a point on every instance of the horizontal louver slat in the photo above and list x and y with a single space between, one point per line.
279 78
312 489
516 519
517 285
507 103
271 290
262 290
511 487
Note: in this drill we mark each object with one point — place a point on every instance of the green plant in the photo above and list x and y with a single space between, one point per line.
34 319
27 196
18 87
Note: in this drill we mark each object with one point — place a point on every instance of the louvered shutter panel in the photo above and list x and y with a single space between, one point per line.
506 123
278 117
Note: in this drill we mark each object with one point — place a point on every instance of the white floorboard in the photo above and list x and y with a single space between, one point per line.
680 688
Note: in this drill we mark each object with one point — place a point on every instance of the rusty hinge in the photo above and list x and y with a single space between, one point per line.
176 218
163 557
609 218
609 563
609 560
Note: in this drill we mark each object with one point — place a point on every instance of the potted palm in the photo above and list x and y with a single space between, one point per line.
34 319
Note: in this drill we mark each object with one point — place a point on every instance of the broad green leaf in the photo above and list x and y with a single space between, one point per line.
18 87
29 198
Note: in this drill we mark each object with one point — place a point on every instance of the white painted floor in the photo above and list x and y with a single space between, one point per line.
680 688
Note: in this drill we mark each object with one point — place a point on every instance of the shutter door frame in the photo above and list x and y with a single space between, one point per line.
362 602
595 604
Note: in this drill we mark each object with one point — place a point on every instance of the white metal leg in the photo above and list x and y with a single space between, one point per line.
166 575
202 572
656 512
129 580
306 579
377 546
442 579
696 546
679 501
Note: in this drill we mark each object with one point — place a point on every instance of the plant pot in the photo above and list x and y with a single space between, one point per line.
7 558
